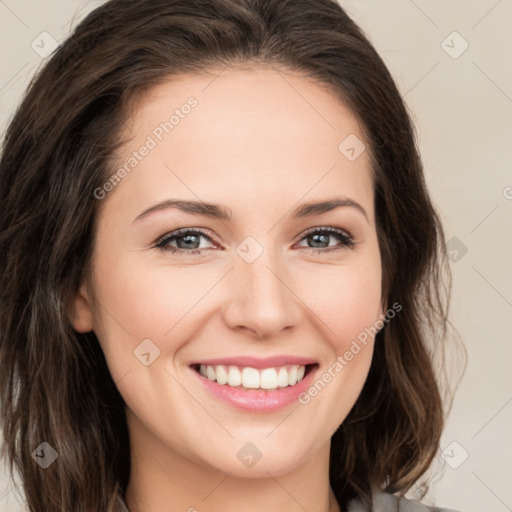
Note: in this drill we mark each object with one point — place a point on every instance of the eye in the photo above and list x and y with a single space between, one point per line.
188 240
320 236
185 238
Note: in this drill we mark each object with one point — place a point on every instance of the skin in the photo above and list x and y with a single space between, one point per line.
259 142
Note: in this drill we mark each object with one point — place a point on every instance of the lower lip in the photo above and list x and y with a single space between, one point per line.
258 400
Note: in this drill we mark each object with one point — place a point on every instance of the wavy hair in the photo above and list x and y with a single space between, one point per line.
55 385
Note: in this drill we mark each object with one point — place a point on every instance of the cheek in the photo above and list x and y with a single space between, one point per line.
139 302
348 303
348 307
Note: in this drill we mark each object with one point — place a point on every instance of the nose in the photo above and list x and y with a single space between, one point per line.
261 299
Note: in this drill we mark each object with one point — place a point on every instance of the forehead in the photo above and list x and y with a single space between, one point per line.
265 131
239 101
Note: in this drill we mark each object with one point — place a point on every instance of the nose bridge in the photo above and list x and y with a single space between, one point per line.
260 297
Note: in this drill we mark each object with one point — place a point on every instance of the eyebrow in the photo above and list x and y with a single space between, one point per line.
217 211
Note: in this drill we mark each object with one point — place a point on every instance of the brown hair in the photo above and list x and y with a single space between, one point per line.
54 382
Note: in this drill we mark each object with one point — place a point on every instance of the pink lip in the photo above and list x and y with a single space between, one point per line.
255 362
258 400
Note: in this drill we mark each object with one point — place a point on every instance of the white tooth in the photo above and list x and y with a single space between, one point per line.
210 372
292 374
222 375
282 378
268 378
250 378
234 376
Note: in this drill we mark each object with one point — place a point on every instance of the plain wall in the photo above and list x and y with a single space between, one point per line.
461 103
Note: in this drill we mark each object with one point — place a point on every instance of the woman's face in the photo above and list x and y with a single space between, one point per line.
260 145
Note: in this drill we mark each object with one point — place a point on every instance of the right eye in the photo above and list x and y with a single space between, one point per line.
187 238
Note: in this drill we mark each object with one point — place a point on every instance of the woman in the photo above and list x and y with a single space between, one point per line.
175 335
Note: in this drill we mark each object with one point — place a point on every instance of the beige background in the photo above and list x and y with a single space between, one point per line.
462 107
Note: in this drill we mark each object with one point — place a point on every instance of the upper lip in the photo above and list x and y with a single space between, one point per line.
256 362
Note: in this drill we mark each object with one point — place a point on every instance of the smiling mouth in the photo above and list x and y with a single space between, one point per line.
248 378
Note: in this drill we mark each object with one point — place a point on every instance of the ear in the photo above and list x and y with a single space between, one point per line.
81 316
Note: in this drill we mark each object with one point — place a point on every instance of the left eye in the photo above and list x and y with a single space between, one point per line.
190 239
319 235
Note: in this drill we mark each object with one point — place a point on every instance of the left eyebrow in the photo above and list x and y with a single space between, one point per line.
319 207
217 211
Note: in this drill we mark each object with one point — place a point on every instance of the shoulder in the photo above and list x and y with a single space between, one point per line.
385 502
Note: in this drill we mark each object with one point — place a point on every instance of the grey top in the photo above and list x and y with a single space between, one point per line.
383 502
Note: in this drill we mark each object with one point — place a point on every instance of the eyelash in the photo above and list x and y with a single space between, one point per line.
346 240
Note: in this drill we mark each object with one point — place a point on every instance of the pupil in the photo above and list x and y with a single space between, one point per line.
315 237
187 240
